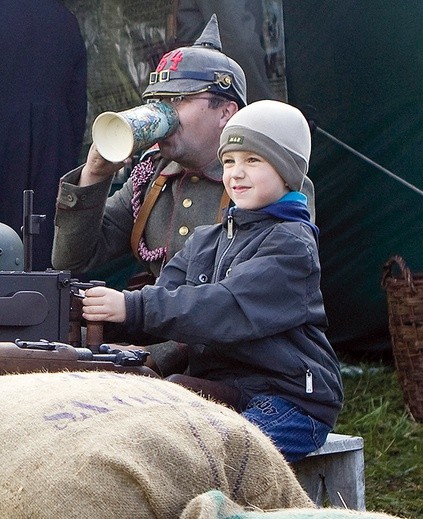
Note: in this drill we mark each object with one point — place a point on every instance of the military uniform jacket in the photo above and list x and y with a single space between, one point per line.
92 228
250 309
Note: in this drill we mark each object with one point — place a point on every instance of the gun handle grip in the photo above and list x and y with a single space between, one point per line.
75 321
94 335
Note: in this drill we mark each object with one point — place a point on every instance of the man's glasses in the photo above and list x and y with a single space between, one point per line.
173 100
177 100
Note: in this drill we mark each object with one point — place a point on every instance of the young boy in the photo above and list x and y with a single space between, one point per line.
245 295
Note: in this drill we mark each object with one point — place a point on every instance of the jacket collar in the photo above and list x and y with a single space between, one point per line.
213 172
244 217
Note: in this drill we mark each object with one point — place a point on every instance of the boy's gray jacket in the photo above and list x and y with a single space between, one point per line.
255 318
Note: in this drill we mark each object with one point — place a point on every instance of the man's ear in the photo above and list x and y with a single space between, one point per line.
228 110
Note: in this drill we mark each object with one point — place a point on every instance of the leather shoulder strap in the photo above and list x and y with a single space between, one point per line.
145 211
148 204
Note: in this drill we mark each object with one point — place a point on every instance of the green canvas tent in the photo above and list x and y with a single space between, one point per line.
356 67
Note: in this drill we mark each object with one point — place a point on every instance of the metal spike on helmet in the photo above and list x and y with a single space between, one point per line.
210 37
203 67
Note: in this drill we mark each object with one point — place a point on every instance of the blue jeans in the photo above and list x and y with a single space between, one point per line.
293 432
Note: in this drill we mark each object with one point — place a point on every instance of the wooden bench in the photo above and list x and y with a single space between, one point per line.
335 472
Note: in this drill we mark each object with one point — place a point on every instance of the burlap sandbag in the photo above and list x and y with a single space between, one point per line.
96 445
215 505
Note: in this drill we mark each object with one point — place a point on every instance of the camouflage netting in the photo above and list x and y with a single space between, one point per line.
125 40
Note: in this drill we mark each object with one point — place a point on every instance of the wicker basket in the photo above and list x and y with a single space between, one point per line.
405 307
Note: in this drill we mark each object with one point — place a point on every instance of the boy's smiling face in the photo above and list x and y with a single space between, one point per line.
250 181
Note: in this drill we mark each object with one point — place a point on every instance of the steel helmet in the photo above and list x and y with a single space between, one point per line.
11 249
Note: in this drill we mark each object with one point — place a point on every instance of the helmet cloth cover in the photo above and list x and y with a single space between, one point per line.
203 67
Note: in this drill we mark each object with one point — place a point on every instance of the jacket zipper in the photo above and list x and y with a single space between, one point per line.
308 377
309 382
230 223
231 236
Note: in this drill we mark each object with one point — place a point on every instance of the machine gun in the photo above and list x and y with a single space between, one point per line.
36 306
27 357
33 304
45 304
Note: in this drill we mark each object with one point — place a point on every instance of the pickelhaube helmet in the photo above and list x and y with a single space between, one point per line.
11 249
203 67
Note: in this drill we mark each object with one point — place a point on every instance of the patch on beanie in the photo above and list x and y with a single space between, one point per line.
235 139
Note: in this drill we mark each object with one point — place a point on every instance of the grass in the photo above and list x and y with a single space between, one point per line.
393 441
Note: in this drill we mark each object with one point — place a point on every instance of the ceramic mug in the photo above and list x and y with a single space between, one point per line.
119 135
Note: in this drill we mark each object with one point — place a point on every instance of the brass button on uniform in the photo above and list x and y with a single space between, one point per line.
187 202
195 179
183 231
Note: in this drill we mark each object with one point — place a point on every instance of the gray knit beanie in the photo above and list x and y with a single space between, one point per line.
276 131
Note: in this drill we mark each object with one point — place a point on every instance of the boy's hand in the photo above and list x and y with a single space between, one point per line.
104 304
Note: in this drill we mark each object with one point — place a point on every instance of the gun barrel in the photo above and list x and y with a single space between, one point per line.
84 354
